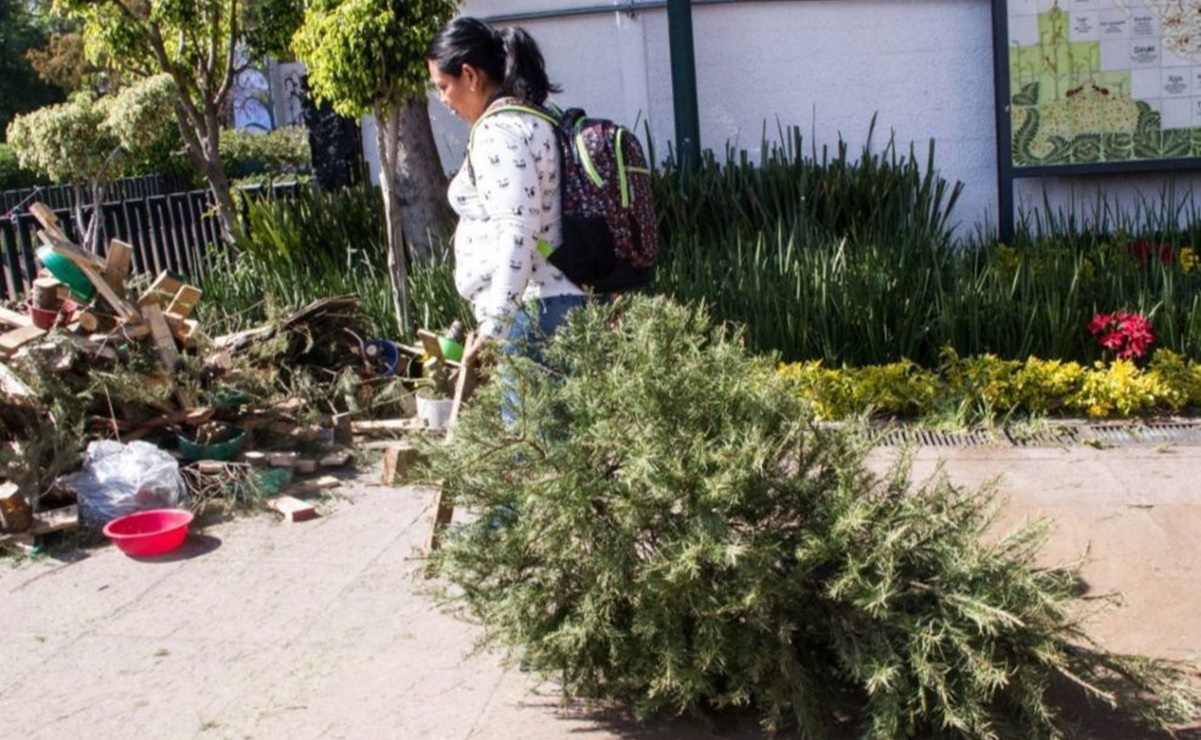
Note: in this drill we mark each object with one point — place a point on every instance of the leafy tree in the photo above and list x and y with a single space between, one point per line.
368 57
664 525
62 62
82 141
20 88
195 43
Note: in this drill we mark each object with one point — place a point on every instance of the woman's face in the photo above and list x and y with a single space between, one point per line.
465 95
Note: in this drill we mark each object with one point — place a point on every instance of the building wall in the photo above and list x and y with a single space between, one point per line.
922 68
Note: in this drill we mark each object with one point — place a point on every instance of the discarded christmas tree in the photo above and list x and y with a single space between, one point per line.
665 527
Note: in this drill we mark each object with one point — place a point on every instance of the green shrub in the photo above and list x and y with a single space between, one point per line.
664 526
984 388
12 175
246 154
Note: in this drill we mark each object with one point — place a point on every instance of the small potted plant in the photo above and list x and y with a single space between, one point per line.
435 392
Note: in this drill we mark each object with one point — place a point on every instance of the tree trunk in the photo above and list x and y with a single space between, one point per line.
387 137
201 134
421 181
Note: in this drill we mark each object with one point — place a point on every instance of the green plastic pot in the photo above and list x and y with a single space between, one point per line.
67 273
226 450
451 349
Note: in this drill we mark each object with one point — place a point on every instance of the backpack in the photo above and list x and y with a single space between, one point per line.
610 234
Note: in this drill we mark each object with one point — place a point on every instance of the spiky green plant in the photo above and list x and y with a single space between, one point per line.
664 526
319 245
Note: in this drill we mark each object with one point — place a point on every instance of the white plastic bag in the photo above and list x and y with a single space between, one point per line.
119 479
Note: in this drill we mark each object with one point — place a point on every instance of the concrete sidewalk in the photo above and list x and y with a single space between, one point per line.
323 629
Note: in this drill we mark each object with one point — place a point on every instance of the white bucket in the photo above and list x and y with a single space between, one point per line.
435 411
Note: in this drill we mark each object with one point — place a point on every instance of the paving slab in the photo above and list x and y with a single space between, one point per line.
325 629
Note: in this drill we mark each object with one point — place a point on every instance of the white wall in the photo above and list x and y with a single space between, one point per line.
922 67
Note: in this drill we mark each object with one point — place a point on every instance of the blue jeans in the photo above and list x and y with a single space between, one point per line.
528 336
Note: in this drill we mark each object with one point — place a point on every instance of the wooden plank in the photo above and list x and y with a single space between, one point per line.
429 344
431 348
45 522
281 459
293 509
161 291
11 341
55 520
386 425
164 341
92 347
307 487
22 543
117 264
184 301
464 387
334 460
443 513
192 417
13 318
49 221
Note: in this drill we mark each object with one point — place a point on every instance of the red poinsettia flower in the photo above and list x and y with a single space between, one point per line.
1144 251
1128 335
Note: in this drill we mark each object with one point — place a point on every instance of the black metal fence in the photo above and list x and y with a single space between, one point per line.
177 232
63 196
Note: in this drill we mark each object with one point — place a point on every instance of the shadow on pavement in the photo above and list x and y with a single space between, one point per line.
194 546
1093 721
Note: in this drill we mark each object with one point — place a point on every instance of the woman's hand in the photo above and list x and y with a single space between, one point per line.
475 344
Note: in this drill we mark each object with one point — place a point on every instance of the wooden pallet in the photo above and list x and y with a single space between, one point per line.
62 519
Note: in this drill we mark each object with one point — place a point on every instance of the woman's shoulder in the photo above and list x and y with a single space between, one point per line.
515 122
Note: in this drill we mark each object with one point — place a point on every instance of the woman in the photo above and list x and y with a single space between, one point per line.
507 191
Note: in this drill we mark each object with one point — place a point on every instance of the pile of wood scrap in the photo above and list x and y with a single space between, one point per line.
131 362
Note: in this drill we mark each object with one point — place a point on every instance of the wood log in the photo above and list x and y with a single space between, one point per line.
16 515
398 462
44 293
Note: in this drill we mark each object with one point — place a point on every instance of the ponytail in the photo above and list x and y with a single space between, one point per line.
525 71
510 57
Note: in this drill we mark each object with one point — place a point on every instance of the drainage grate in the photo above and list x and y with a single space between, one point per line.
1118 434
933 438
1053 436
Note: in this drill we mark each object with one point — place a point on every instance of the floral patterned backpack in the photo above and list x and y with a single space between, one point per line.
610 234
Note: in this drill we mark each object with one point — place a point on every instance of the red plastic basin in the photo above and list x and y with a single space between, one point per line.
150 532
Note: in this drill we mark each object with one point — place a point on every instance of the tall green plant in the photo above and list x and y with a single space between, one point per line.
318 245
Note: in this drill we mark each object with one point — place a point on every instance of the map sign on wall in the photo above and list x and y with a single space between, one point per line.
1103 81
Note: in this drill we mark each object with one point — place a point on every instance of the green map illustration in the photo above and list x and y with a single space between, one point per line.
1101 79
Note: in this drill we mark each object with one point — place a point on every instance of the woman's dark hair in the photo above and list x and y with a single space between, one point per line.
509 56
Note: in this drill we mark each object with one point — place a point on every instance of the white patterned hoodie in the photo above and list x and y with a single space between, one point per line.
512 204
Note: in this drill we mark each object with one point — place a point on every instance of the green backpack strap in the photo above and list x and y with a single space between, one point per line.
514 108
543 247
